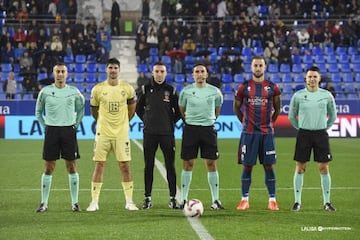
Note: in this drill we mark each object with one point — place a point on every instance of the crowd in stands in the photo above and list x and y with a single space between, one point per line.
218 32
37 34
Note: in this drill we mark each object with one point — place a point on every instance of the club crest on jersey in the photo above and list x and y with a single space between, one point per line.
166 96
267 88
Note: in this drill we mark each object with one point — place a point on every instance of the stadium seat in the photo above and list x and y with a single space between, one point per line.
78 77
331 58
340 96
333 68
6 67
343 58
298 78
189 78
179 78
90 77
91 68
101 67
42 76
348 77
238 78
273 68
287 89
345 67
227 88
317 51
154 51
329 51
349 88
247 68
246 51
355 58
286 78
322 67
296 59
319 59
228 96
179 87
307 59
166 59
142 67
213 50
285 68
352 96
79 67
226 78
352 50
258 51
299 87
340 50
357 78
102 77
188 59
80 58
286 96
275 77
263 10
91 58
221 50
297 68
69 59
247 59
335 77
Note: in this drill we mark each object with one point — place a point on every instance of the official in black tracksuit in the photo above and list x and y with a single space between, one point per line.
157 107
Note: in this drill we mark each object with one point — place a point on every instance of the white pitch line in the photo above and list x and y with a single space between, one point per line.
199 229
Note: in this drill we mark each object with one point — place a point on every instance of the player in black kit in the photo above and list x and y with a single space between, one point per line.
157 107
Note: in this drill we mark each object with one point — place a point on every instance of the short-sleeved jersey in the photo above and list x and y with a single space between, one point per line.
62 106
257 100
200 104
312 110
113 119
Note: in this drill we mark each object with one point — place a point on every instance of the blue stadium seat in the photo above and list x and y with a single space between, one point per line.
322 67
228 96
340 96
6 67
340 50
345 67
357 78
352 96
91 58
78 77
238 78
221 50
352 50
343 58
356 67
348 77
298 78
297 68
333 68
90 77
246 51
189 78
307 59
80 58
42 76
275 77
247 68
331 58
188 59
227 78
179 87
169 78
166 59
329 50
335 77
285 68
247 59
288 89
319 59
213 50
91 68
317 50
154 51
299 87
286 78
101 77
101 67
349 88
70 67
263 10
227 88
142 67
259 51
179 78
296 59
68 59
273 68
355 58
79 67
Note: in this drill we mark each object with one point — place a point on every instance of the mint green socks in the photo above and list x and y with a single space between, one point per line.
74 187
45 188
298 184
185 184
213 179
325 186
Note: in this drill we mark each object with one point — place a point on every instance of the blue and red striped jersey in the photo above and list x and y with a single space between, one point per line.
257 105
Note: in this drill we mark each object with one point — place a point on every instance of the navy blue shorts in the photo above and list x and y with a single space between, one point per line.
307 140
199 137
252 146
60 142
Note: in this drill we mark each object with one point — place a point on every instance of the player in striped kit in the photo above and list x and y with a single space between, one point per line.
257 106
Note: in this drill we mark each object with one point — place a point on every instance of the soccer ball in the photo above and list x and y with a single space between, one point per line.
193 208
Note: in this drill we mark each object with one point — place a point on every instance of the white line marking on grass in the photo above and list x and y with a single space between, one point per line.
199 229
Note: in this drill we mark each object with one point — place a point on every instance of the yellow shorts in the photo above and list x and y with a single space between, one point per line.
120 147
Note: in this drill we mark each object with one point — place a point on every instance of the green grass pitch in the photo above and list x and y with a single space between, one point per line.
21 167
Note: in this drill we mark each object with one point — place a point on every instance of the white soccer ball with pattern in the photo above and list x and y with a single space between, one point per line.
193 208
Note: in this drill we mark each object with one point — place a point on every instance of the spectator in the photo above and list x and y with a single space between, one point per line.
7 54
142 80
222 11
30 85
214 80
145 9
71 11
115 18
165 46
26 62
19 36
349 33
284 56
104 39
271 53
23 15
152 39
303 38
237 65
330 88
9 86
19 51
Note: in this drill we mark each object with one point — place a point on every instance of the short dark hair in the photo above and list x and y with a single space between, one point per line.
199 64
313 68
160 63
113 61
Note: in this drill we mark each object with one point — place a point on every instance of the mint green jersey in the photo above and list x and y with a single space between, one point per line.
200 104
59 106
312 110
